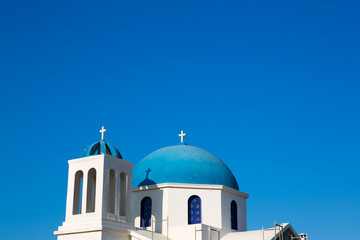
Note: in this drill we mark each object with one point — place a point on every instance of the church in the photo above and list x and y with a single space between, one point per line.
178 192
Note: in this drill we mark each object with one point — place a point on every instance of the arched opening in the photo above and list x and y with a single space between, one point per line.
234 221
77 192
111 195
194 210
91 191
145 212
123 192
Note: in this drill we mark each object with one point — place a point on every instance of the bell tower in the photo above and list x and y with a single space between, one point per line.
98 195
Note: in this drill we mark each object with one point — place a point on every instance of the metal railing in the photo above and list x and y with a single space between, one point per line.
209 230
161 220
276 227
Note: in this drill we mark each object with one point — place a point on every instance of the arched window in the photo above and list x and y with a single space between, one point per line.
145 212
91 190
111 195
77 192
123 191
194 210
234 221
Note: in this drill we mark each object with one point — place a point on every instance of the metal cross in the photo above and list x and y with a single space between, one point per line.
182 134
102 132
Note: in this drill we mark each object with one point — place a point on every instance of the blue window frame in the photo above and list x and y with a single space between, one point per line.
145 212
234 221
194 210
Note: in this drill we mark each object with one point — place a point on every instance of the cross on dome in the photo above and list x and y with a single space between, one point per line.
103 130
181 135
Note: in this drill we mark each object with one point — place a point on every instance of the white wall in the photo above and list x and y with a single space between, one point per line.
177 205
84 165
157 201
227 197
171 200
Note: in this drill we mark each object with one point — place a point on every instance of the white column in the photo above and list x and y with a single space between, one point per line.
70 193
84 192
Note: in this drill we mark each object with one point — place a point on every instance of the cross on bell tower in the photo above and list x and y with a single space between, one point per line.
103 130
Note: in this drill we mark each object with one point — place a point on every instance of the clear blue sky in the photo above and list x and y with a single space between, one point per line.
270 87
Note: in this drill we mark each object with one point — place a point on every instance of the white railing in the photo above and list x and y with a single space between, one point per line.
209 230
161 220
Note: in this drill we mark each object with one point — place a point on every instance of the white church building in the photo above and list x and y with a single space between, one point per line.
178 192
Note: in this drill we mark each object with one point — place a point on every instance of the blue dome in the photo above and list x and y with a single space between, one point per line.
182 164
101 147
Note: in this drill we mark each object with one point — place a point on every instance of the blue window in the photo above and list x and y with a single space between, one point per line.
234 222
194 210
145 212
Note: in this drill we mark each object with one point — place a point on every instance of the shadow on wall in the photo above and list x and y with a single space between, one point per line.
154 207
